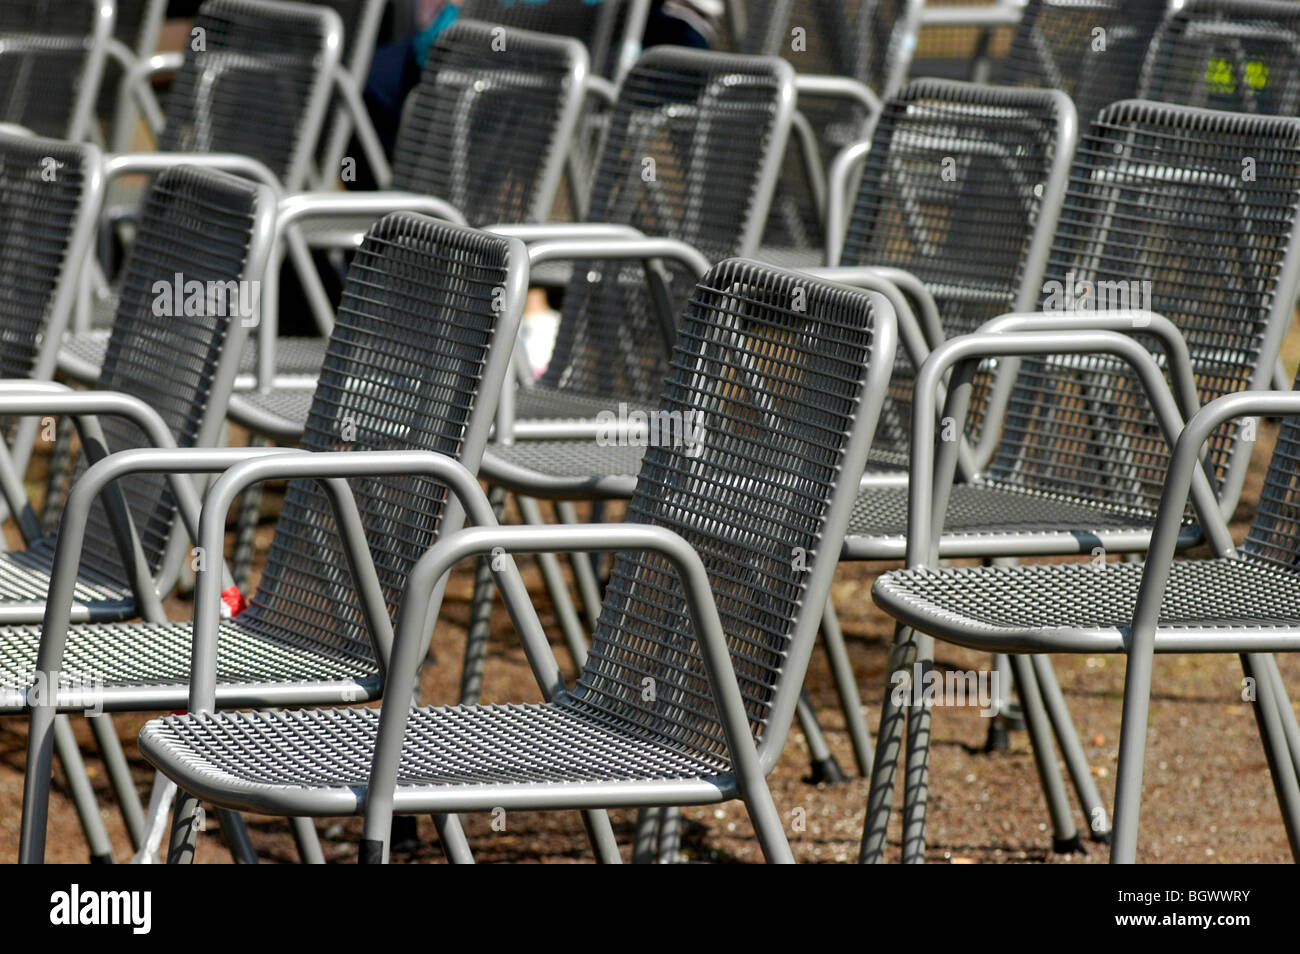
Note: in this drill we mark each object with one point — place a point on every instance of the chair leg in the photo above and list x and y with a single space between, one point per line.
1290 727
889 740
1132 757
83 795
183 845
601 834
119 775
160 802
1067 737
480 617
58 475
455 847
916 781
307 841
574 638
767 825
847 686
1065 833
824 766
670 836
584 571
1280 766
647 836
235 834
999 734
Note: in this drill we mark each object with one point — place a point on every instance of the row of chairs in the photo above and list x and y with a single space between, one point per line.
1242 209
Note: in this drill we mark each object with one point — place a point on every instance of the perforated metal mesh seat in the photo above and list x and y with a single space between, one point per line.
779 390
403 371
51 59
1057 45
1239 55
1155 193
690 155
202 226
1089 607
967 235
871 41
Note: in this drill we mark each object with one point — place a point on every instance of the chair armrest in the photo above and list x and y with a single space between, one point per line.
304 206
130 163
846 164
330 468
434 565
546 232
931 479
173 461
1136 321
348 89
1184 473
599 88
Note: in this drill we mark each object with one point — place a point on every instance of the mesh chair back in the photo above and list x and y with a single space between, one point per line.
953 190
769 382
601 27
1092 49
1190 213
188 287
692 152
488 126
1274 535
870 40
407 368
43 202
258 86
1238 55
51 62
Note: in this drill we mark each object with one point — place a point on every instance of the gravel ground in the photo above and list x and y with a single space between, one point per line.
1208 796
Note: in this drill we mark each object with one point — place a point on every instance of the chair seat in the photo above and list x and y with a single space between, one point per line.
1226 604
456 758
147 666
25 578
789 256
983 519
577 468
534 403
82 356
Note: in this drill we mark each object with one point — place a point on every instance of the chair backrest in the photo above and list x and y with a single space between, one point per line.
188 295
1239 55
416 361
488 127
604 27
51 62
1187 212
1092 49
256 82
961 187
49 196
776 380
692 153
871 41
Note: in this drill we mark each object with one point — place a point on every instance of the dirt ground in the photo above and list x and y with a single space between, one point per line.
1207 798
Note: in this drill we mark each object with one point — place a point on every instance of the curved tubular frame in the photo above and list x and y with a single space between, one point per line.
434 566
931 480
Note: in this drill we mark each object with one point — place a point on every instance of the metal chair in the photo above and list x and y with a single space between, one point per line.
1156 195
279 55
483 141
165 381
707 624
1092 49
318 629
51 63
1239 601
360 20
848 57
135 36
